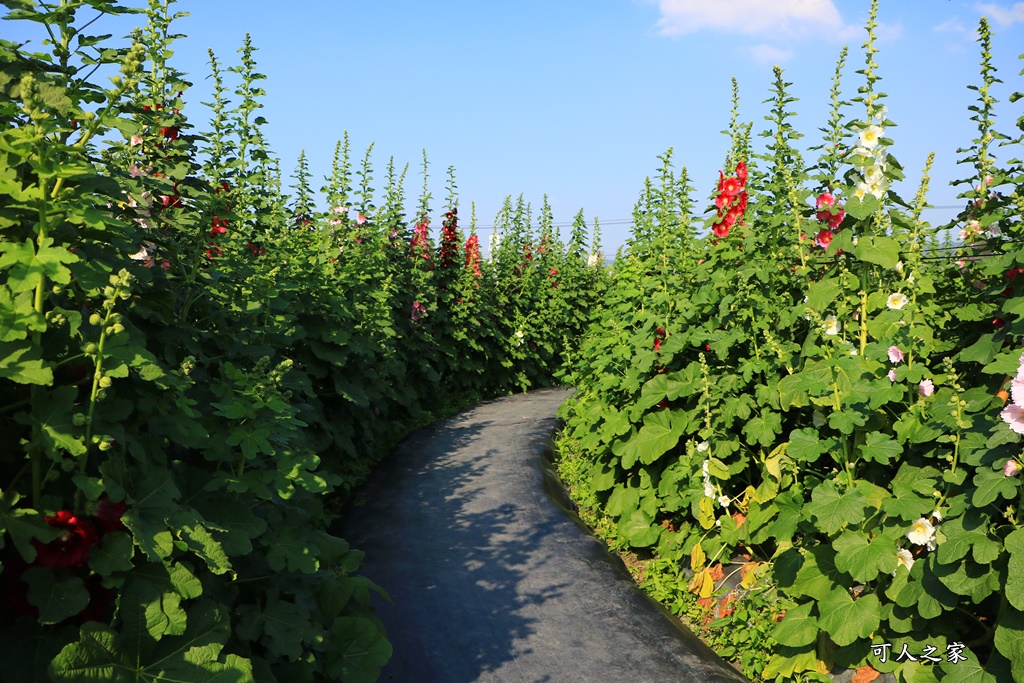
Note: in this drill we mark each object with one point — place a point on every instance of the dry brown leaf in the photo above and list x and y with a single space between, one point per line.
717 572
865 674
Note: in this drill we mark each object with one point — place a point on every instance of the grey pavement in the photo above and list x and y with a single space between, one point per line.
491 579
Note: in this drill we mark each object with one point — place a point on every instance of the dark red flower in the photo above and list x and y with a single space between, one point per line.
108 515
998 322
71 548
169 132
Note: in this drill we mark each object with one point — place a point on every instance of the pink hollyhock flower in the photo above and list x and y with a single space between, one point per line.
1011 468
895 355
360 219
71 548
892 375
824 239
339 209
926 387
136 140
418 310
1013 415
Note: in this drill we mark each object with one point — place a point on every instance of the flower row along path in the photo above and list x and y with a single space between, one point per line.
492 579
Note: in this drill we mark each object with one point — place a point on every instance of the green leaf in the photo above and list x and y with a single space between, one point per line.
982 351
659 434
762 429
880 448
1010 640
798 628
885 251
864 559
1015 574
623 500
639 530
22 363
822 293
52 416
804 445
290 550
56 597
113 554
847 619
362 650
27 267
992 485
833 509
24 525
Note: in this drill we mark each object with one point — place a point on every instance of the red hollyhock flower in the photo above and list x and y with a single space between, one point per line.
720 229
730 187
108 515
473 254
824 239
657 344
71 548
220 226
169 132
741 172
998 322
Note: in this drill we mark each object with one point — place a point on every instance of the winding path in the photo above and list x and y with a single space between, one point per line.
492 579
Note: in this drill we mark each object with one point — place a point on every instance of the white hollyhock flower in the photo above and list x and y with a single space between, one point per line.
870 136
593 260
701 447
897 301
831 326
519 337
922 532
904 558
724 501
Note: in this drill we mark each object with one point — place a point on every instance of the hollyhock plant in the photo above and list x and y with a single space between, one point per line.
71 548
473 255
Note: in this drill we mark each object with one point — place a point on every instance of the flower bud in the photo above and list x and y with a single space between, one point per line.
94 319
104 382
118 328
78 419
105 445
91 348
57 289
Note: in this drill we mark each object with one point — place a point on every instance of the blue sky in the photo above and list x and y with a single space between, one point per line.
577 98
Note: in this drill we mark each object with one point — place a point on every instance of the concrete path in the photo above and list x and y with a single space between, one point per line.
491 579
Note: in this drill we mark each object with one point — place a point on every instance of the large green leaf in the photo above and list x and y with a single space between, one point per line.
57 597
885 251
1015 574
1010 640
864 559
799 627
103 656
361 648
833 509
660 433
847 619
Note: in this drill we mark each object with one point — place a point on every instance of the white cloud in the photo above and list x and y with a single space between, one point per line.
1002 14
957 28
794 18
769 54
